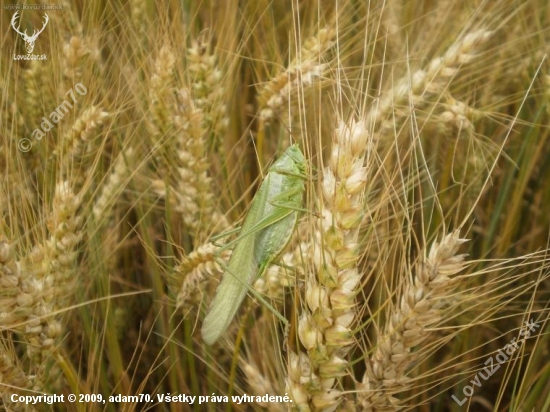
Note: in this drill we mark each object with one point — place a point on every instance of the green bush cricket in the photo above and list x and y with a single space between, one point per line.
267 229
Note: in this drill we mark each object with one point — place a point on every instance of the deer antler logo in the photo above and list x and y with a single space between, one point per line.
29 40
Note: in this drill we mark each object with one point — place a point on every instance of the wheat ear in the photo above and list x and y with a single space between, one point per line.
122 170
194 190
78 141
408 324
301 73
160 94
189 277
14 377
208 89
75 50
325 325
52 265
33 98
15 304
176 111
259 385
430 82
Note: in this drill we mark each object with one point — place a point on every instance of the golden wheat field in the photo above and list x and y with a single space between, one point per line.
275 205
